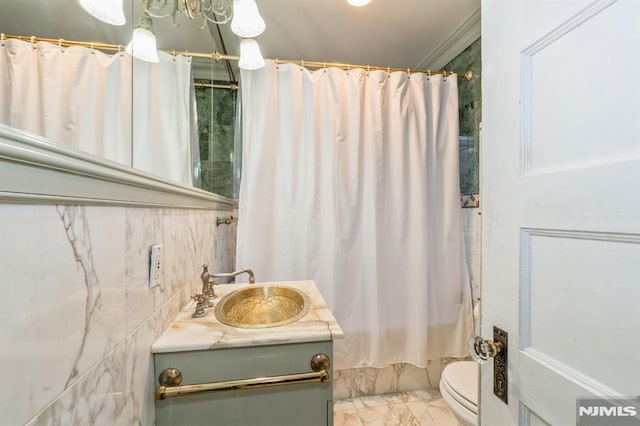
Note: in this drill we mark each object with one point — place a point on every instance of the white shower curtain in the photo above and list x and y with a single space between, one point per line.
82 98
350 178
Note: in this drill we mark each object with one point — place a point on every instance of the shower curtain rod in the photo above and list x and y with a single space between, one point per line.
217 56
217 86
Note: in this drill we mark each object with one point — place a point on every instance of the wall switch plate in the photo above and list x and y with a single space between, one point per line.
155 266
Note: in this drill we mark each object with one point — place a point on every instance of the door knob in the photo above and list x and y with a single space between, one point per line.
481 350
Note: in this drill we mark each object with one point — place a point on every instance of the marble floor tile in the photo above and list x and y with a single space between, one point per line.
377 400
439 410
422 395
424 407
387 415
343 405
346 418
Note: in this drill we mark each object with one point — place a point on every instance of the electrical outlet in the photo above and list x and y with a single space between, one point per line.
155 266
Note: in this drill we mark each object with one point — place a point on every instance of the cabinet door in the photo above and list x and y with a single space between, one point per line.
296 404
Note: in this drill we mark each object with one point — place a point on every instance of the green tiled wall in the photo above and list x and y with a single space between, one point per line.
216 127
470 104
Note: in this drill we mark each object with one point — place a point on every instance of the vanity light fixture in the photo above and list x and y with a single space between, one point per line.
109 11
245 18
250 56
358 3
247 22
143 43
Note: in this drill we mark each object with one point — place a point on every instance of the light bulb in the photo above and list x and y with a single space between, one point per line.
247 22
358 3
109 11
143 44
250 56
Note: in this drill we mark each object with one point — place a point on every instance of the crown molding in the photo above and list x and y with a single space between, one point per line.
468 32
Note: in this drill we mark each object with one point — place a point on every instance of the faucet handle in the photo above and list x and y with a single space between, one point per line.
199 312
205 274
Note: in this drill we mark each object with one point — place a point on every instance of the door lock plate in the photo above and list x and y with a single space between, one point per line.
500 365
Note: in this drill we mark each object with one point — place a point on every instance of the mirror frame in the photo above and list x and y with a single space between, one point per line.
36 171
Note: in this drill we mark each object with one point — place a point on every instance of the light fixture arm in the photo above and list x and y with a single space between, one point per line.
162 8
215 11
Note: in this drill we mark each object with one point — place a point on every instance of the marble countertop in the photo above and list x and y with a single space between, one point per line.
187 334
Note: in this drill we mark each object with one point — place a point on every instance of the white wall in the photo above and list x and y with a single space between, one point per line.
78 316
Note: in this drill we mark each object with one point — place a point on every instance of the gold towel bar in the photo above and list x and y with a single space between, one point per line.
171 378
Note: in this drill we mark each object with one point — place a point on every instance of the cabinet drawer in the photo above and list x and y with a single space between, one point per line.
293 404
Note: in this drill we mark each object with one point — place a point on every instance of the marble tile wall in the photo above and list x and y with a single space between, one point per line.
360 382
78 316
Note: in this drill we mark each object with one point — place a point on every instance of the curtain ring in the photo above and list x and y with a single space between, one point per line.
60 44
324 66
2 39
301 64
409 73
33 45
368 67
277 67
388 72
92 51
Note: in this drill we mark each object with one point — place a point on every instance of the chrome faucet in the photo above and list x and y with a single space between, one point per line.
205 298
207 287
252 280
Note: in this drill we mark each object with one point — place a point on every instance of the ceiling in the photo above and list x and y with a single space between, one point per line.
401 34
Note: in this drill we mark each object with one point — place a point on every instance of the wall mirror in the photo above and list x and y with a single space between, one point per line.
174 120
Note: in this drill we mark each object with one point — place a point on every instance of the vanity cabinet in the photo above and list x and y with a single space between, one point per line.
295 404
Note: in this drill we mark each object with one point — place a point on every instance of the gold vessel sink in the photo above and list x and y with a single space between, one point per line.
262 306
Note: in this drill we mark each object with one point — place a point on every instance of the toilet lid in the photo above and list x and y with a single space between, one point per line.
462 378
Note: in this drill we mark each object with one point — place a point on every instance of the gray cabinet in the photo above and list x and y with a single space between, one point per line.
300 404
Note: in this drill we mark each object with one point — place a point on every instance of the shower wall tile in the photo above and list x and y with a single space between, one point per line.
79 316
402 377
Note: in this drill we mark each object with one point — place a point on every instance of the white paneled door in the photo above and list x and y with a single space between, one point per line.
561 205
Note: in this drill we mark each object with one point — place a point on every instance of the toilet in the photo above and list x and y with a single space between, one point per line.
459 389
